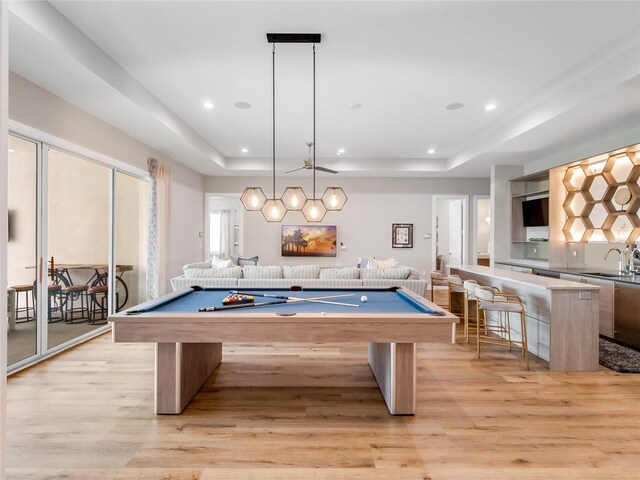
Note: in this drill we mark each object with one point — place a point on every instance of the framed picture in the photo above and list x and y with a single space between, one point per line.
308 241
402 235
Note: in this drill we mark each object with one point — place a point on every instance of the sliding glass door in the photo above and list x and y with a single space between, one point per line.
72 222
22 250
78 245
131 201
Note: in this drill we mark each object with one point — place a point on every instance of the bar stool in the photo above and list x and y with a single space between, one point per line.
456 291
438 279
98 296
72 294
28 292
500 334
469 297
55 303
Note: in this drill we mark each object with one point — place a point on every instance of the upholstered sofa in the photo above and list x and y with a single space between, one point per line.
203 275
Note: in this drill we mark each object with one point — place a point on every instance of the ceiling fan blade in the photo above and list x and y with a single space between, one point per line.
323 169
295 170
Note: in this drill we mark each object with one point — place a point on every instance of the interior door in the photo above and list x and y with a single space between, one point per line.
456 232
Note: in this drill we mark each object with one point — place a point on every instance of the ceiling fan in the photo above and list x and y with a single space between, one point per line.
308 164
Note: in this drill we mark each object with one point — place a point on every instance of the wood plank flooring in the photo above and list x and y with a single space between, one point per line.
312 411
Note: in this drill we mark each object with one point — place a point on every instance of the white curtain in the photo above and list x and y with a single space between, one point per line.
226 232
158 227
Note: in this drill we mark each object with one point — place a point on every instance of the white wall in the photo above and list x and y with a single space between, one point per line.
38 108
501 209
364 225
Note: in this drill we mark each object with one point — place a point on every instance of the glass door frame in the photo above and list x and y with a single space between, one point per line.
36 259
44 142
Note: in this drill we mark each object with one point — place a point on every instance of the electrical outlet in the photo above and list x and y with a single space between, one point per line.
575 253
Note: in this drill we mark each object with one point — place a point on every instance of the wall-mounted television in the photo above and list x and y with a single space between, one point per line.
535 213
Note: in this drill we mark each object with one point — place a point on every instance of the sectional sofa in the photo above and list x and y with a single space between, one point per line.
202 274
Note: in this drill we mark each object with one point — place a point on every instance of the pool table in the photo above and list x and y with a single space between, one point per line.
189 342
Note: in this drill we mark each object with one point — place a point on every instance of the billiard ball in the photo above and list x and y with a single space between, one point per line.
322 314
363 298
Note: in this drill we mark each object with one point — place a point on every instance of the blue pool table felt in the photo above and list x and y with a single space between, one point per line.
379 301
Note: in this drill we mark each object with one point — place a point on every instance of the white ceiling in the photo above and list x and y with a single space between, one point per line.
559 72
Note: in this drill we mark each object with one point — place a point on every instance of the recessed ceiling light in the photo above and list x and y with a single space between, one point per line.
242 105
354 105
341 150
11 150
431 151
490 106
454 106
208 105
245 150
338 153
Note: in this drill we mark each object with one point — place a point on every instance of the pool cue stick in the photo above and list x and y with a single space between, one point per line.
311 299
240 305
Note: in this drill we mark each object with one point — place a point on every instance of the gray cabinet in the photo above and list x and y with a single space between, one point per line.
627 313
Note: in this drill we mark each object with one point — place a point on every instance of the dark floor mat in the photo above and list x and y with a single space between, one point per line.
618 357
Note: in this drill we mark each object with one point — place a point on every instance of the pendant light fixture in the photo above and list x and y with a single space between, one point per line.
274 209
334 199
293 199
314 210
253 199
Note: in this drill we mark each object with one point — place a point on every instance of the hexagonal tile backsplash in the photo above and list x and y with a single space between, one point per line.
590 203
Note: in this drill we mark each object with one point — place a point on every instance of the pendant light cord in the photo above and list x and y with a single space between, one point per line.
314 121
273 82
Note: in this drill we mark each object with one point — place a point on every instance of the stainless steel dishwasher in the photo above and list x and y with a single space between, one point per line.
627 314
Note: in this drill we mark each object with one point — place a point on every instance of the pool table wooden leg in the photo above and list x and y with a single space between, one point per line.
181 369
394 366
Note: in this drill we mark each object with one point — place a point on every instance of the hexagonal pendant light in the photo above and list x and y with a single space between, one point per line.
274 209
294 198
253 199
334 199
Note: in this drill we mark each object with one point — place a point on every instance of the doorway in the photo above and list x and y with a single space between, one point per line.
223 218
450 226
481 231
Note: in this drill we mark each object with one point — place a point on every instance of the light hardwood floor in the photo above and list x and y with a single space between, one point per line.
311 411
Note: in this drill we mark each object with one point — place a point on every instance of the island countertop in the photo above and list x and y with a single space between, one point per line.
562 316
528 279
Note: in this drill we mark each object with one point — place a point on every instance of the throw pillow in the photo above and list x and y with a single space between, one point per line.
218 263
243 262
362 262
381 263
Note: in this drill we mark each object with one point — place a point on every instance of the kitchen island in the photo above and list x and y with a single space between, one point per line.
562 316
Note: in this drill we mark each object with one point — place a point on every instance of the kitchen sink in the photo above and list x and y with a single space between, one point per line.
607 275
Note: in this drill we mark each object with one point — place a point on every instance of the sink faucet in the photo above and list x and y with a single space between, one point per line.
621 267
632 267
